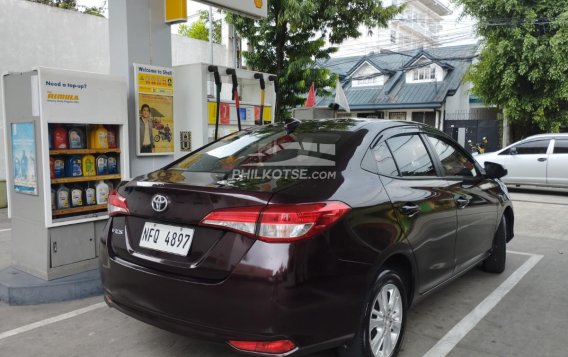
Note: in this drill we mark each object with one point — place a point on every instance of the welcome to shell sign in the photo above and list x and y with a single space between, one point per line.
252 8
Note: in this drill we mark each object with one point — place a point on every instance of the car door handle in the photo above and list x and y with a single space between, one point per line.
409 209
542 159
462 202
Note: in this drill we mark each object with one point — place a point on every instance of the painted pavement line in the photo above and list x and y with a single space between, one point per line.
5 230
50 320
462 328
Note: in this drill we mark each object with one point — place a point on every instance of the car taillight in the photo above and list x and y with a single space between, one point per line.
240 219
117 204
280 346
278 223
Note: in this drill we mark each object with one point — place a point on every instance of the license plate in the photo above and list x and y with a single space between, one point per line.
164 238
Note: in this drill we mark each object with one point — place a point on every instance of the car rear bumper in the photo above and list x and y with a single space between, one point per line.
260 300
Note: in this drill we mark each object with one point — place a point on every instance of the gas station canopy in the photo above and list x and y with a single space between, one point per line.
252 8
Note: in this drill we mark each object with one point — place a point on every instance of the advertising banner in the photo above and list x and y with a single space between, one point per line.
69 97
250 114
24 158
155 107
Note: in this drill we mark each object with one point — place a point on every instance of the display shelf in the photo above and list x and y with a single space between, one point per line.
82 209
85 179
83 151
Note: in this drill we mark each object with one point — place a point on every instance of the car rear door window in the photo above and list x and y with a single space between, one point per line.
531 147
561 147
411 156
454 161
385 161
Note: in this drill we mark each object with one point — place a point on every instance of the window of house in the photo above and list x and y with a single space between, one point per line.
367 75
397 115
425 73
425 118
411 156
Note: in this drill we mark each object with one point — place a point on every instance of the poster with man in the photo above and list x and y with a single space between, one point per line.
155 107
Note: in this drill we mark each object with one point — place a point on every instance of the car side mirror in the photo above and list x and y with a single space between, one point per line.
494 170
513 151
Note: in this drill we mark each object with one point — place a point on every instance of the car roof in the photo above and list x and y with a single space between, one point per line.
548 136
381 123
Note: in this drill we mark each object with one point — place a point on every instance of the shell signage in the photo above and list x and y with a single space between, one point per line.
252 8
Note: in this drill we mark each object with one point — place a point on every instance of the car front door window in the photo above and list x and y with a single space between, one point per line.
454 161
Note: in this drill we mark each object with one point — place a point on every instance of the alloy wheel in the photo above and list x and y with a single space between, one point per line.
385 321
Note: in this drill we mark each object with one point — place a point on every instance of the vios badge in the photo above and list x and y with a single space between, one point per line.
159 203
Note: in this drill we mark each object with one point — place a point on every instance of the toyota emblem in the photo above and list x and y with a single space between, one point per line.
159 203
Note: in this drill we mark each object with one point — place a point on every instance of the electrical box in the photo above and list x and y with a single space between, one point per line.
67 148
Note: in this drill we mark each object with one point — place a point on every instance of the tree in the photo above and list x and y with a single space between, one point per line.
71 5
63 4
297 33
199 29
523 67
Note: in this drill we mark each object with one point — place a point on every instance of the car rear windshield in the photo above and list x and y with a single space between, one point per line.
309 144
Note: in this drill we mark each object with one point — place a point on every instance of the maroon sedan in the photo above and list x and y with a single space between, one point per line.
296 238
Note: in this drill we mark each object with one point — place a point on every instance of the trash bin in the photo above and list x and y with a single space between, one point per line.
3 197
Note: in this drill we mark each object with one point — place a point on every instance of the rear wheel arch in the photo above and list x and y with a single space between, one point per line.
403 265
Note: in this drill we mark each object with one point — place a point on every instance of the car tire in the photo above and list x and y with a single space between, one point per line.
495 263
385 310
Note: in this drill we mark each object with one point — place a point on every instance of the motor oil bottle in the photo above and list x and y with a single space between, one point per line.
100 138
90 196
89 165
112 165
76 197
102 193
62 197
59 167
111 135
76 138
102 165
60 138
74 166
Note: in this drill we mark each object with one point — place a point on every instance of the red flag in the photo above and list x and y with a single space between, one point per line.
311 99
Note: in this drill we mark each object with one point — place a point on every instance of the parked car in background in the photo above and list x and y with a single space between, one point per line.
540 160
371 216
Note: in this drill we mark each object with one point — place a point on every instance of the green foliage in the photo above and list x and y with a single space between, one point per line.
71 5
297 33
199 29
523 67
94 10
63 4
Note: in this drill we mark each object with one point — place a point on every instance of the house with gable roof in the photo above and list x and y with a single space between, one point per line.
421 85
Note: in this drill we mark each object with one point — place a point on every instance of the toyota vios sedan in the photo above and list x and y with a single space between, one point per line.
290 239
